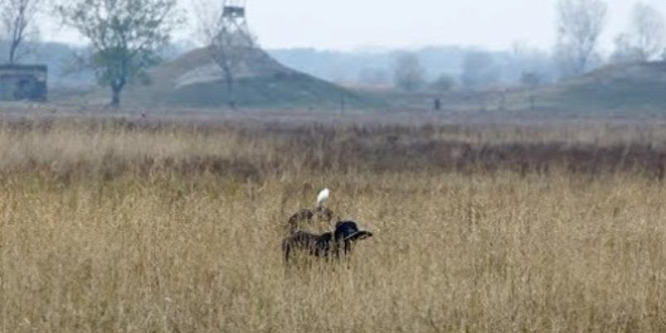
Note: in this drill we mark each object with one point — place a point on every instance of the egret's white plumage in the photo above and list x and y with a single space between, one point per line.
323 197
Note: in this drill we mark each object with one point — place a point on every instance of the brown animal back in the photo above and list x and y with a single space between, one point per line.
318 220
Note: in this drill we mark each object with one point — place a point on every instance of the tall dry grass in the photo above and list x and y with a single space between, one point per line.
110 226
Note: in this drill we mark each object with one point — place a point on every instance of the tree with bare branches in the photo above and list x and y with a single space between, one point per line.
580 24
125 36
648 33
17 20
229 46
229 50
646 38
625 50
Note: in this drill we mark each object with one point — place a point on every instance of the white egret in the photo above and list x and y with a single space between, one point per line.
323 197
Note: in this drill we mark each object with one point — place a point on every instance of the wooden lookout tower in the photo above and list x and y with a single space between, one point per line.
233 17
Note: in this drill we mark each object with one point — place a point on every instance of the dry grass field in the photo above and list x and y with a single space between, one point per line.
133 226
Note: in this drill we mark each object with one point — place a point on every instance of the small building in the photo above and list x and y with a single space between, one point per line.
23 83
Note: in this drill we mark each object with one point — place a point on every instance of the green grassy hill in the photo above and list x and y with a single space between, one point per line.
616 88
193 80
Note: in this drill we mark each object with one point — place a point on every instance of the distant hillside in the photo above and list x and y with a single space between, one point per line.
193 80
638 88
626 87
364 66
620 88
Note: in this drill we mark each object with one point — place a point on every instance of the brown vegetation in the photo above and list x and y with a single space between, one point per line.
123 226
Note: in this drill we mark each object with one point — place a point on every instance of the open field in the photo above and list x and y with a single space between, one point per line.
164 226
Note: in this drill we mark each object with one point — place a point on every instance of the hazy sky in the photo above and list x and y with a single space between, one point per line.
350 24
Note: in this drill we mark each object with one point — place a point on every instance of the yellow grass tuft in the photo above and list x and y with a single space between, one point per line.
107 227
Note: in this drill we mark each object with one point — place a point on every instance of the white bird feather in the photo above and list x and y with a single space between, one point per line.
323 197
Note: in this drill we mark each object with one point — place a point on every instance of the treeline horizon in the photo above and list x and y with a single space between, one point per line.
580 25
362 67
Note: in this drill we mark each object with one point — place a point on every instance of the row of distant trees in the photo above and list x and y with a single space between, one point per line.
580 26
479 71
125 37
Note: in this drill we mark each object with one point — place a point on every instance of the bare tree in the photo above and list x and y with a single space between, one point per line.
408 75
18 23
645 41
625 50
647 33
229 46
580 24
125 36
230 49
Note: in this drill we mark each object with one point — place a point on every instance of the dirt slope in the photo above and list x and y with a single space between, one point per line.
193 80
